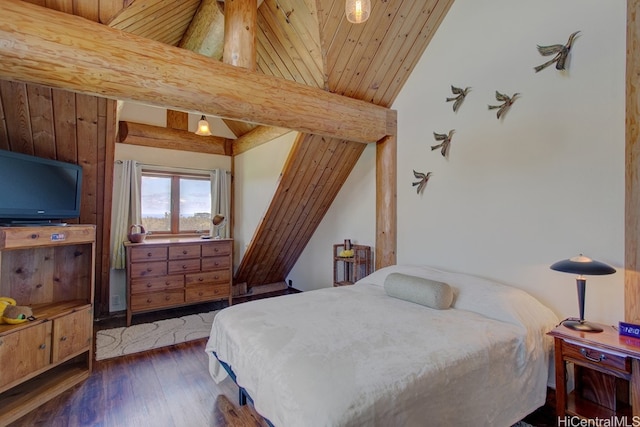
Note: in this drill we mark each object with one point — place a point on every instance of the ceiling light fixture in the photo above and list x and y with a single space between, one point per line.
357 10
203 127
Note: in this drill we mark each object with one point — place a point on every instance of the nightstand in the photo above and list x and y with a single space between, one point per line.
606 373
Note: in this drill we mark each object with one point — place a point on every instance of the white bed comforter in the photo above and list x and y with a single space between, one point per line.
353 356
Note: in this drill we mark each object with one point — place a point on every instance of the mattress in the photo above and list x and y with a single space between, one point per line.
354 356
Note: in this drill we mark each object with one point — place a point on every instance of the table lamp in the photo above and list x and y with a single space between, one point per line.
582 265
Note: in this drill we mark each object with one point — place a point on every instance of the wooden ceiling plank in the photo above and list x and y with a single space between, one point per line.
164 26
294 165
282 210
302 203
88 9
146 71
137 14
4 135
276 65
110 8
410 54
41 118
332 183
368 39
173 139
17 117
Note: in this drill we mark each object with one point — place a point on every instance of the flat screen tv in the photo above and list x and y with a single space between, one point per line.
35 190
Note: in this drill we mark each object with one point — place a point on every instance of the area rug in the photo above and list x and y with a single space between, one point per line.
147 336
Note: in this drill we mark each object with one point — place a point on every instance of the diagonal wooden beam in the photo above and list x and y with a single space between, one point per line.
43 46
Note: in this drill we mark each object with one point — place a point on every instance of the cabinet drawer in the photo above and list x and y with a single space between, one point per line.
148 253
206 292
216 248
184 251
148 269
222 276
24 351
215 263
153 284
142 302
72 334
184 266
596 357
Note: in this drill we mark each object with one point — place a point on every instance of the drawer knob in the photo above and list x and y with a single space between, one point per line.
42 346
200 279
167 298
184 267
149 285
63 338
586 354
216 277
184 252
149 269
200 294
216 263
148 300
149 254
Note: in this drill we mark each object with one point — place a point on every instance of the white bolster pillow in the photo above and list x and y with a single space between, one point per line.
419 290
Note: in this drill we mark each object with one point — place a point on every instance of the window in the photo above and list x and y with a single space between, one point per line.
175 203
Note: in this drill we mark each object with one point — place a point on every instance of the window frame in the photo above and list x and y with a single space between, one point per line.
174 204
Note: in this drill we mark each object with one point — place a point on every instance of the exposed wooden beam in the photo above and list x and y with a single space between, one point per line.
173 139
386 201
205 34
256 137
177 120
90 58
240 24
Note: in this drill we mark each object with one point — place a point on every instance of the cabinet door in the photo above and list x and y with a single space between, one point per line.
25 351
72 334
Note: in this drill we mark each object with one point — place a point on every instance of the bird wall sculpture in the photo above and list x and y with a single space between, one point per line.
459 98
446 142
507 102
560 51
422 180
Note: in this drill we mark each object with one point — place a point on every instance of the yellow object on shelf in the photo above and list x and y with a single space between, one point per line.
346 253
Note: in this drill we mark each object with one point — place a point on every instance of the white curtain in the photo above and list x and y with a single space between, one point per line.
126 207
221 199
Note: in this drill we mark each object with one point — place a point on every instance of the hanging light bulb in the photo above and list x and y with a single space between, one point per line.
357 10
203 127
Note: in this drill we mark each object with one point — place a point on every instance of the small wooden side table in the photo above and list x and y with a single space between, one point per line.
606 369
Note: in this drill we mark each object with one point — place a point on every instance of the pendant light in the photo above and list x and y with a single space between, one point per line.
203 127
357 10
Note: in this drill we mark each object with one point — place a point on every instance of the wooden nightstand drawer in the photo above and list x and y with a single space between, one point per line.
592 357
148 253
215 263
146 269
184 266
206 292
152 284
142 302
184 251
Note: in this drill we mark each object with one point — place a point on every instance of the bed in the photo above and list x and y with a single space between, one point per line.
357 356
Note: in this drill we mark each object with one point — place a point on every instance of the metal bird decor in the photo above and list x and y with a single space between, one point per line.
423 178
560 51
459 98
446 142
507 102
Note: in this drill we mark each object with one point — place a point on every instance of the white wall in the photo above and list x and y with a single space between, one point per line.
543 184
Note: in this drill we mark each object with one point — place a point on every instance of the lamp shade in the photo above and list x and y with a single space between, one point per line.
357 11
583 265
203 127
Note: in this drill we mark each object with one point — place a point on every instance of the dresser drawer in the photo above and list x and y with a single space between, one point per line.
216 248
148 269
222 276
148 253
206 292
142 302
215 263
184 266
184 251
584 355
153 284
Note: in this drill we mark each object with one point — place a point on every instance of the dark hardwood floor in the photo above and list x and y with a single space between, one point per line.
167 387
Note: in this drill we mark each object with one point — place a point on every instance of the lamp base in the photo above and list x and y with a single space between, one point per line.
581 325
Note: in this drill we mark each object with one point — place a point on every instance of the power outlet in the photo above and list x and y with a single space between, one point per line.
115 300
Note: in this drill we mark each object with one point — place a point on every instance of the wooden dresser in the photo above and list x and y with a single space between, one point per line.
167 273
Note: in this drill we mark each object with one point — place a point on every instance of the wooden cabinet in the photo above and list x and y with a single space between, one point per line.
349 269
51 270
605 367
167 273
